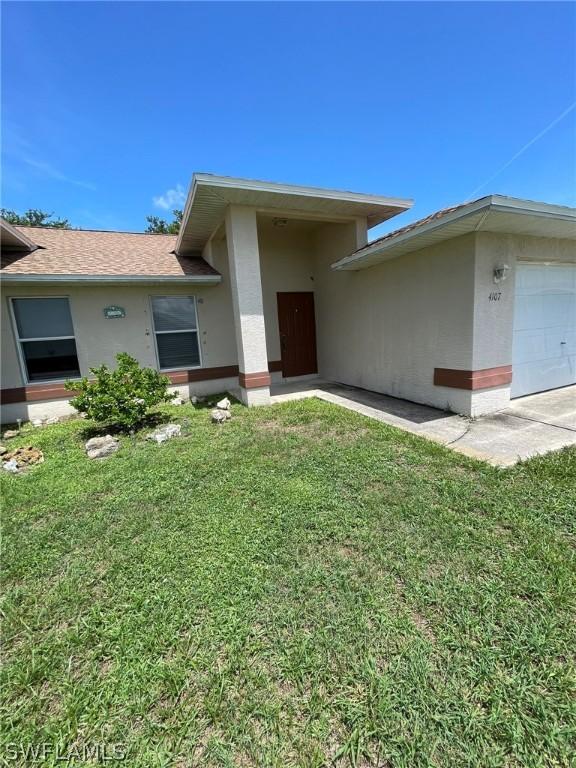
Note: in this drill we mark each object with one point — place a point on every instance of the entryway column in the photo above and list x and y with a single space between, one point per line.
244 258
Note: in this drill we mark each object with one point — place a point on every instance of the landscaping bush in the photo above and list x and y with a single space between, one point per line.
122 396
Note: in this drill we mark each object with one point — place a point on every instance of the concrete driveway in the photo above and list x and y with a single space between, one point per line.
531 425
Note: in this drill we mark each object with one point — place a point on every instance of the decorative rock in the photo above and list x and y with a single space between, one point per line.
224 404
20 458
101 447
37 422
219 417
11 433
50 420
193 399
3 450
177 400
165 433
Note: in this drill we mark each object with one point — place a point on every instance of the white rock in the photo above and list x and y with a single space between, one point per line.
177 400
101 447
51 420
165 433
10 466
219 417
37 422
11 433
193 399
224 404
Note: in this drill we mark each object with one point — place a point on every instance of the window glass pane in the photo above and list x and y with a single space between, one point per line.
50 359
173 313
42 318
178 350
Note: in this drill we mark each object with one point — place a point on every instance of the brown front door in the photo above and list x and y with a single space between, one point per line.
297 333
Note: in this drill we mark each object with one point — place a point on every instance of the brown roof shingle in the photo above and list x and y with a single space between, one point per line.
84 252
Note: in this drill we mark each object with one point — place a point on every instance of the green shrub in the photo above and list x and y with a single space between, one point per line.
122 396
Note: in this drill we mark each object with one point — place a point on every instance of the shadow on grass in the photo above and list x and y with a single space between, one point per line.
206 402
99 430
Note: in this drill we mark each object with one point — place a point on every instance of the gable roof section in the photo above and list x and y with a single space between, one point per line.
79 255
494 213
210 195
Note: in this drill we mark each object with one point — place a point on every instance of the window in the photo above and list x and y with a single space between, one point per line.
176 330
46 338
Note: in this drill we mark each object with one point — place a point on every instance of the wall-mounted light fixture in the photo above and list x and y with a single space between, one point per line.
501 273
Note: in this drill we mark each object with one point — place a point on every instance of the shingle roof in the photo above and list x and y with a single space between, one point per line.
415 224
85 252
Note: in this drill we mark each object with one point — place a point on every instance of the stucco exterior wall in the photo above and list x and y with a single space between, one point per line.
98 340
287 264
494 302
387 327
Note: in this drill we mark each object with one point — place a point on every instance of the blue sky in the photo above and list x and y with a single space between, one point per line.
108 108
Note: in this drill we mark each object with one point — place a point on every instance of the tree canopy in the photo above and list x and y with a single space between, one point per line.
158 226
34 217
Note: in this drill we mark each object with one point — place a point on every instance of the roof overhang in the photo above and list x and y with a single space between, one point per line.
14 277
495 213
13 240
210 196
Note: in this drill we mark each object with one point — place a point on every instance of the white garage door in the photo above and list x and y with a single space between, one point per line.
544 347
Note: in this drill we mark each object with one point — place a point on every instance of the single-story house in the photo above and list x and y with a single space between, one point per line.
462 310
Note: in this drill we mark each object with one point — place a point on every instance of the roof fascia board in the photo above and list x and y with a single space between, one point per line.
13 277
186 214
492 203
23 239
225 182
374 248
290 189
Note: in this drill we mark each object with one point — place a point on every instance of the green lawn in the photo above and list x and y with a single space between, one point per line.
299 587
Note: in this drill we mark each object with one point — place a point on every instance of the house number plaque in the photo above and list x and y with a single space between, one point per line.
111 313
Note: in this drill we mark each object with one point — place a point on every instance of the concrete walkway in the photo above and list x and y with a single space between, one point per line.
531 425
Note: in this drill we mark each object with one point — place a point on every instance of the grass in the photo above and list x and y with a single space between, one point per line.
299 587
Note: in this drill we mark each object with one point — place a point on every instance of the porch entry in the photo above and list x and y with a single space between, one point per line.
297 325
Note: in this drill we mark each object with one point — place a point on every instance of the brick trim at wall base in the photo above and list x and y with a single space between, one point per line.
202 374
254 380
32 393
35 393
482 379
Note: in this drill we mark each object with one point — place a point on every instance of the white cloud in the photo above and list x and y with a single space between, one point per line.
172 198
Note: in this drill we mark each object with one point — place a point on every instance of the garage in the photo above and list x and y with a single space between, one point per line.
544 341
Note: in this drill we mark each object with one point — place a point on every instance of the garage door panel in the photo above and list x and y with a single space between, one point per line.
544 339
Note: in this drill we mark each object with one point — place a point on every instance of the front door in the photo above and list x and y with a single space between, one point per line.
297 326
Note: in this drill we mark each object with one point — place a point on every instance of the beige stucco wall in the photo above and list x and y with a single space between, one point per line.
287 264
98 340
493 319
387 327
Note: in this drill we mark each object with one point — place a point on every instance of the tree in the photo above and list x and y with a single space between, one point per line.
158 226
34 217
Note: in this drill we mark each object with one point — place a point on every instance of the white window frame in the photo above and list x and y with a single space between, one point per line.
19 341
196 330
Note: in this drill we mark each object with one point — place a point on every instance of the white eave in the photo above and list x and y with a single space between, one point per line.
14 277
495 213
210 195
13 239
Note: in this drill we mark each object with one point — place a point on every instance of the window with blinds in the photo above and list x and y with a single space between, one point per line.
176 331
45 337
